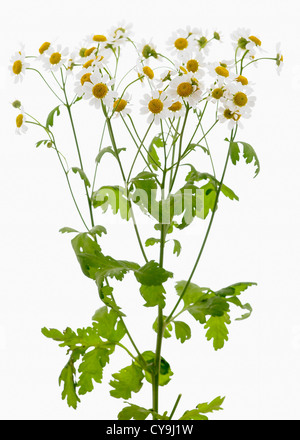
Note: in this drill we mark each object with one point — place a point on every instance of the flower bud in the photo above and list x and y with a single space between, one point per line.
16 104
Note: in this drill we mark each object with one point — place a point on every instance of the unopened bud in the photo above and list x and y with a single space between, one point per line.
16 104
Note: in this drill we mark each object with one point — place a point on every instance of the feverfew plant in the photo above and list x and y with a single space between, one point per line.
174 90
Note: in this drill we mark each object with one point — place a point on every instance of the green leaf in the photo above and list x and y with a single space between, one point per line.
43 141
151 241
203 408
82 175
211 305
235 289
177 247
128 380
217 330
115 197
165 369
134 412
153 158
249 154
192 294
50 118
153 295
98 230
108 150
67 376
105 293
91 368
87 252
67 230
108 325
151 274
109 267
182 331
234 300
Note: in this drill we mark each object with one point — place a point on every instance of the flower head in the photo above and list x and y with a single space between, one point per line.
156 106
186 88
18 66
97 90
121 106
20 122
55 58
279 58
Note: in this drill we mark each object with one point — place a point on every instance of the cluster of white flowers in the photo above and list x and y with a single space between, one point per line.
189 80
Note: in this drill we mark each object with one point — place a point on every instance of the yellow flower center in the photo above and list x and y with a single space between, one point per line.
45 46
242 79
228 114
17 67
185 89
88 52
100 90
255 40
155 106
217 93
88 64
85 78
181 43
55 58
19 120
99 38
148 72
192 66
119 105
240 99
175 107
222 71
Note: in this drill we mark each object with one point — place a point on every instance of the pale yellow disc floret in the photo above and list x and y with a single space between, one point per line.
192 66
185 89
255 40
85 78
222 71
55 58
148 72
17 67
181 43
240 99
175 107
99 38
120 104
45 46
19 120
155 106
100 90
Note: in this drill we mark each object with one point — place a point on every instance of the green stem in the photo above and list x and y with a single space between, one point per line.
175 406
206 235
35 70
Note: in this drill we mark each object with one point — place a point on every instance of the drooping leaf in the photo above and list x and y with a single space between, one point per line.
177 247
153 158
91 369
217 330
203 408
50 118
98 230
153 295
67 376
235 289
108 150
151 241
182 331
128 380
82 175
249 154
66 229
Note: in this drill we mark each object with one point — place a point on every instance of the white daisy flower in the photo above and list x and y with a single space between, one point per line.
191 61
118 35
97 40
20 122
226 115
239 98
18 66
72 61
279 58
122 106
180 41
240 38
186 87
144 71
55 58
82 77
202 42
96 89
156 106
216 92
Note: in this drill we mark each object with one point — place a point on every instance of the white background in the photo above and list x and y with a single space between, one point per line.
255 239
